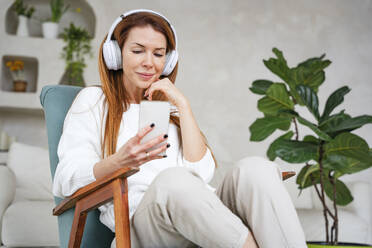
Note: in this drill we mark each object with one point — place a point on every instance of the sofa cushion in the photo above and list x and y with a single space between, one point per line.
351 227
30 223
30 165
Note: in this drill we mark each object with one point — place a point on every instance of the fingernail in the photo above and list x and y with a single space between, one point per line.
165 136
164 156
152 125
168 145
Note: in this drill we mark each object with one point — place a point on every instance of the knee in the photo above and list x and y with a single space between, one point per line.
177 184
174 180
258 172
171 177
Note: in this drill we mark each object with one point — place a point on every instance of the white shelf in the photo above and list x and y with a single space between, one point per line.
41 56
85 18
24 100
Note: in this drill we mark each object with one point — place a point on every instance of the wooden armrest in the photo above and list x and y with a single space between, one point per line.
288 174
70 202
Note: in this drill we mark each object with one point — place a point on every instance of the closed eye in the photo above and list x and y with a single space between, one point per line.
156 54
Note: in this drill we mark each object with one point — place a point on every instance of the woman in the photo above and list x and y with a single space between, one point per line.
170 202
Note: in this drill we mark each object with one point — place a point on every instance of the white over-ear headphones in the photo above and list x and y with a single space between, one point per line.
112 53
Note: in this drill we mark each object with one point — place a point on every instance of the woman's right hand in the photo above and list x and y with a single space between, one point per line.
133 153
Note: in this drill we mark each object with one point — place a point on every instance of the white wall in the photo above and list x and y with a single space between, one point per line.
222 44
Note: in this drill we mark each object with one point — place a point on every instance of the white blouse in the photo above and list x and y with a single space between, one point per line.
79 150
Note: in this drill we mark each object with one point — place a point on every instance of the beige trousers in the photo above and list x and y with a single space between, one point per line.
178 210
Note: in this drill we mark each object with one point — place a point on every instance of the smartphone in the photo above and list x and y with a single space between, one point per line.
154 112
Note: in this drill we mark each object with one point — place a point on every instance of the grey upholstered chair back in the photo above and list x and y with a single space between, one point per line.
56 101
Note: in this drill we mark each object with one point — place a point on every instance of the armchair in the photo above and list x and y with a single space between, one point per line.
80 210
78 214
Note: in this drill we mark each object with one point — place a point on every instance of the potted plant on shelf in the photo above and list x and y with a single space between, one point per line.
16 70
24 12
331 152
74 52
50 27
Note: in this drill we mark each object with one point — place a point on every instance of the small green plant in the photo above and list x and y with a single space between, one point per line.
22 9
331 152
74 52
58 8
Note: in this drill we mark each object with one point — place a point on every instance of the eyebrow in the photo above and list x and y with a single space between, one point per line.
160 48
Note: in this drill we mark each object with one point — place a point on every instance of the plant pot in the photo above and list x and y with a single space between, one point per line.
340 245
22 29
50 30
68 79
19 86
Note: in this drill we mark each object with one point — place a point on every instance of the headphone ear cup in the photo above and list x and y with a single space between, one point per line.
117 55
171 61
112 55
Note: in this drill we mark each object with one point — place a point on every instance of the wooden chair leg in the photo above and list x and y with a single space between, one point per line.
121 209
77 228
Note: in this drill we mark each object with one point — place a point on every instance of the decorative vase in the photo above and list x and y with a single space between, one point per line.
22 29
19 86
50 30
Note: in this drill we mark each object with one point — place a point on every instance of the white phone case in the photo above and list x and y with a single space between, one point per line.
154 112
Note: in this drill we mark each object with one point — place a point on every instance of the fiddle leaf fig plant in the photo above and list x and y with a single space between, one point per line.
331 151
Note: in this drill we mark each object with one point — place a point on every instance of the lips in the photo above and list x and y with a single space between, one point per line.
145 76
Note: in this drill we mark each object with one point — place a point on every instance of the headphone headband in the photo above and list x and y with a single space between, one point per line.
122 16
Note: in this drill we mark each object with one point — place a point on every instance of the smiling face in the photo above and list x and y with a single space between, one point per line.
143 57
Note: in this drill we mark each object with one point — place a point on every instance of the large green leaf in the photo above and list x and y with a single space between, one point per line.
309 98
273 147
310 72
343 194
263 127
278 65
277 98
345 165
296 151
260 86
322 135
333 120
300 177
343 122
335 99
303 179
310 138
349 145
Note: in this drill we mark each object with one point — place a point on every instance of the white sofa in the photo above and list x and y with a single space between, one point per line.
26 203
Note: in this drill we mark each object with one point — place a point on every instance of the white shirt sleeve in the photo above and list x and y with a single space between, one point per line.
79 147
204 167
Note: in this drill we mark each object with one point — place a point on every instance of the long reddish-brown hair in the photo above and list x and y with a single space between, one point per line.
116 97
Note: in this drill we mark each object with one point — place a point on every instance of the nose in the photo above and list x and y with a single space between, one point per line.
148 60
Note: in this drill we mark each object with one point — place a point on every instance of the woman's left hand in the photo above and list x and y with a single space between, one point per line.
173 94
